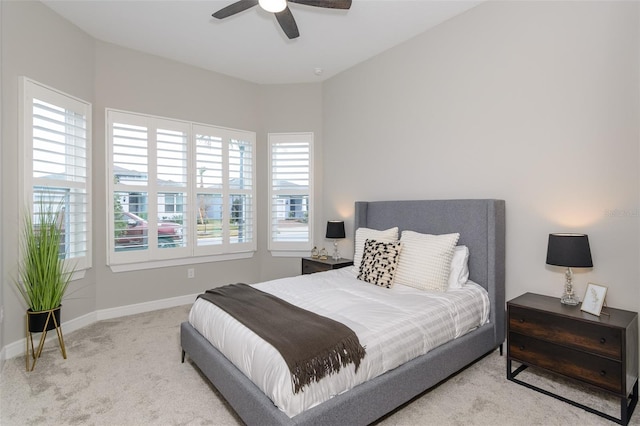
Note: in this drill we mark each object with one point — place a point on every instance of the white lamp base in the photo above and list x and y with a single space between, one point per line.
569 299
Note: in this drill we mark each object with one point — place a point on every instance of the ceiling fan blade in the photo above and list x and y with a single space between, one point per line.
331 4
288 24
234 8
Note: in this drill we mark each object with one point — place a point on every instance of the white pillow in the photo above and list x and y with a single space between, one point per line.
363 234
425 260
459 272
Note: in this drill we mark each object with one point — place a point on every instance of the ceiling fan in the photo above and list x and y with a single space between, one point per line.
281 9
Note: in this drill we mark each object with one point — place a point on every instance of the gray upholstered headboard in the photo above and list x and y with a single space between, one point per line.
481 224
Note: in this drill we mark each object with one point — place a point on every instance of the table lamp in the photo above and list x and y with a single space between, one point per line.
571 251
335 231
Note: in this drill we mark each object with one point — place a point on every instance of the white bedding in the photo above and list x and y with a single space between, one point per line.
394 325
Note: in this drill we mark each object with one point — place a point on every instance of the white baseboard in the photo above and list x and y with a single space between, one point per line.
2 358
18 348
139 308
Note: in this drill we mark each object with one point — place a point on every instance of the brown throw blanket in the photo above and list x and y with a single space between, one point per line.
313 346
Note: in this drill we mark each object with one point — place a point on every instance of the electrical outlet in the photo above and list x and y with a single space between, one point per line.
191 273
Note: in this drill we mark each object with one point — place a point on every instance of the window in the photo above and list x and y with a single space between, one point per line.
225 190
178 189
56 152
291 189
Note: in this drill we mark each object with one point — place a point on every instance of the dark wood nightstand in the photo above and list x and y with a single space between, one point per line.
310 265
601 352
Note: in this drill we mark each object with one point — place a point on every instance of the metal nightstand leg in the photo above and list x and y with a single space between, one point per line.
627 404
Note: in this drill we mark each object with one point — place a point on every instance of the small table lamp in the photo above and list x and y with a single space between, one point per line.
572 251
335 231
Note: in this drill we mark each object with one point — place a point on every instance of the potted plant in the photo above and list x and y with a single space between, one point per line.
43 276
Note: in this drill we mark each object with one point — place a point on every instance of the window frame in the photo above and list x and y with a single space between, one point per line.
291 248
226 190
153 256
28 184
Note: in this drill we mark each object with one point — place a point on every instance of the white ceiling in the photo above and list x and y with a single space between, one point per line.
251 45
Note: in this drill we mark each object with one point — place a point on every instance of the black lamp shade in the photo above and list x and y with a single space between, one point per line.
569 250
335 229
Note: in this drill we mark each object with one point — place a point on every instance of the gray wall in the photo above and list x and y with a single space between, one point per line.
535 103
1 214
133 81
532 102
285 109
38 44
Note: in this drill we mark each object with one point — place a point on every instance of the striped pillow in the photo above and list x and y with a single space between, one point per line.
425 261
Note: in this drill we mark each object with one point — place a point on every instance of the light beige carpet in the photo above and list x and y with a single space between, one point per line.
127 371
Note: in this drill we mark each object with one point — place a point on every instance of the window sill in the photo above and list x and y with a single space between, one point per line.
178 262
290 253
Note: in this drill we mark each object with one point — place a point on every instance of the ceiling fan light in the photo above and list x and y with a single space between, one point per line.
273 6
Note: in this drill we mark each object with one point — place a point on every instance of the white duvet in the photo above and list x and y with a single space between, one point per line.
394 325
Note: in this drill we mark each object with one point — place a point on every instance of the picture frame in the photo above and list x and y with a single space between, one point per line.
593 299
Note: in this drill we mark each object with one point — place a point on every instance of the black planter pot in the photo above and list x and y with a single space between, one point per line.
38 320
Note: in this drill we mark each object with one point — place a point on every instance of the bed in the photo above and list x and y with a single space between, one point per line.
481 225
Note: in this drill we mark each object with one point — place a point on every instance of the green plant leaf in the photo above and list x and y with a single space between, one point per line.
43 276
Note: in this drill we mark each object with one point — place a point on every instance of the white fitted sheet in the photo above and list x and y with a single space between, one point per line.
394 325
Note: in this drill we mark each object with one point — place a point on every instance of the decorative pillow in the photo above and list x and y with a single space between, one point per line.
363 234
379 262
425 261
459 272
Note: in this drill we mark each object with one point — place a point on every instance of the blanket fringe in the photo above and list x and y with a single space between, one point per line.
327 362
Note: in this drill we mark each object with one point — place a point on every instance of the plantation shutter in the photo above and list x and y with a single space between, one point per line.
209 196
172 173
149 169
225 190
57 133
241 191
290 191
130 177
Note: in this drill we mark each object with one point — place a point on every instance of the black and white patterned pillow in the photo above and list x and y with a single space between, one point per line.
379 262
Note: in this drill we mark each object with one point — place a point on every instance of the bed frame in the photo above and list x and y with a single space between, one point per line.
481 224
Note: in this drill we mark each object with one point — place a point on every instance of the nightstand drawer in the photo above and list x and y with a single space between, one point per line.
312 267
597 339
599 371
